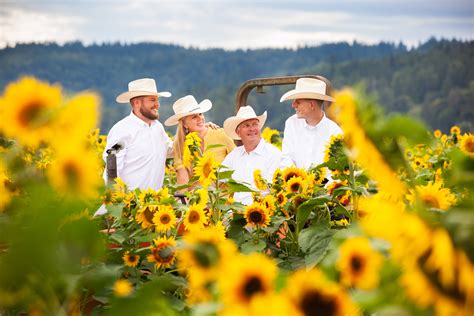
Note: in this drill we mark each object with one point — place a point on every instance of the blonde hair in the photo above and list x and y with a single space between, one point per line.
178 143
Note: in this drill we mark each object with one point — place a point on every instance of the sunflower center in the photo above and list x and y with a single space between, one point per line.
431 200
252 286
469 145
314 303
255 217
281 198
164 254
133 258
206 170
295 187
356 264
30 113
165 219
194 217
206 254
289 176
71 173
148 214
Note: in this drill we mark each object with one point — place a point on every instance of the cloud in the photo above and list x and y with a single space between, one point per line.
19 25
235 24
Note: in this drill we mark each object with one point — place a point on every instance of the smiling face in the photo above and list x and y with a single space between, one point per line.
195 122
146 108
249 131
303 107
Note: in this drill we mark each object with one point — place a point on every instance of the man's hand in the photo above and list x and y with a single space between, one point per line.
212 125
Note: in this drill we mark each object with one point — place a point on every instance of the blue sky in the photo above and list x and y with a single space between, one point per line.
232 24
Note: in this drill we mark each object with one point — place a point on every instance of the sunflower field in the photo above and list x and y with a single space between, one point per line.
391 233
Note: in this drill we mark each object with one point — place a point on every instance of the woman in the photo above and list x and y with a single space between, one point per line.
188 115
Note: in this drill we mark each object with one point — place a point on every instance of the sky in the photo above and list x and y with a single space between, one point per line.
234 24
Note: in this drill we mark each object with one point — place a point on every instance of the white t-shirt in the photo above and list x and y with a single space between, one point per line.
141 162
304 145
265 157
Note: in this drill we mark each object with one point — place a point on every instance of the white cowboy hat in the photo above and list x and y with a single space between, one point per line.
245 113
141 87
187 106
308 88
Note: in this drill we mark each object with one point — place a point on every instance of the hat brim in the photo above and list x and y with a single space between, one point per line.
294 94
127 96
232 122
202 107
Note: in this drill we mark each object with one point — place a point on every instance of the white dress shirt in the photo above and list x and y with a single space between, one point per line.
265 157
304 145
141 162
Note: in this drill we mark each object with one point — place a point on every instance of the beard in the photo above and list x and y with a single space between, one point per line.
149 114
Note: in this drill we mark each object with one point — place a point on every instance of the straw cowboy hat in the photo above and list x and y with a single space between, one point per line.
308 88
187 106
245 113
141 87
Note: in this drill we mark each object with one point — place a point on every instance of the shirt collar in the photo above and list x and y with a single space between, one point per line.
320 124
259 150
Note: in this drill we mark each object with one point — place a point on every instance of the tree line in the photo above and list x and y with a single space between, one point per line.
433 81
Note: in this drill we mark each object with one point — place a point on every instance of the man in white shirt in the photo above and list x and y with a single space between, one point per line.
144 145
308 131
255 153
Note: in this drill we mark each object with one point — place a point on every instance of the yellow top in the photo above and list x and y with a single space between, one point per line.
213 137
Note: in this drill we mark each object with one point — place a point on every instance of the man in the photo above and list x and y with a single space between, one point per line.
308 131
255 153
144 145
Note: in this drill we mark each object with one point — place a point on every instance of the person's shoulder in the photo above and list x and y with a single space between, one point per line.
122 125
272 148
292 119
333 125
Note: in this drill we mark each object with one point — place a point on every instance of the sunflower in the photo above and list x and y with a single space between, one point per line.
162 194
259 181
192 148
245 278
455 130
29 106
467 144
269 202
130 260
145 216
256 214
319 175
359 264
206 169
433 195
163 252
291 172
202 197
295 185
84 106
437 133
76 172
130 200
309 291
272 136
195 218
122 288
164 219
5 190
203 253
281 198
146 196
361 147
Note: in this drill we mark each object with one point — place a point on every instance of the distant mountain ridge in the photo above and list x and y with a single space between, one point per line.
434 81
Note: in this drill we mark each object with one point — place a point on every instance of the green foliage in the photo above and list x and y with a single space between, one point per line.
433 81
